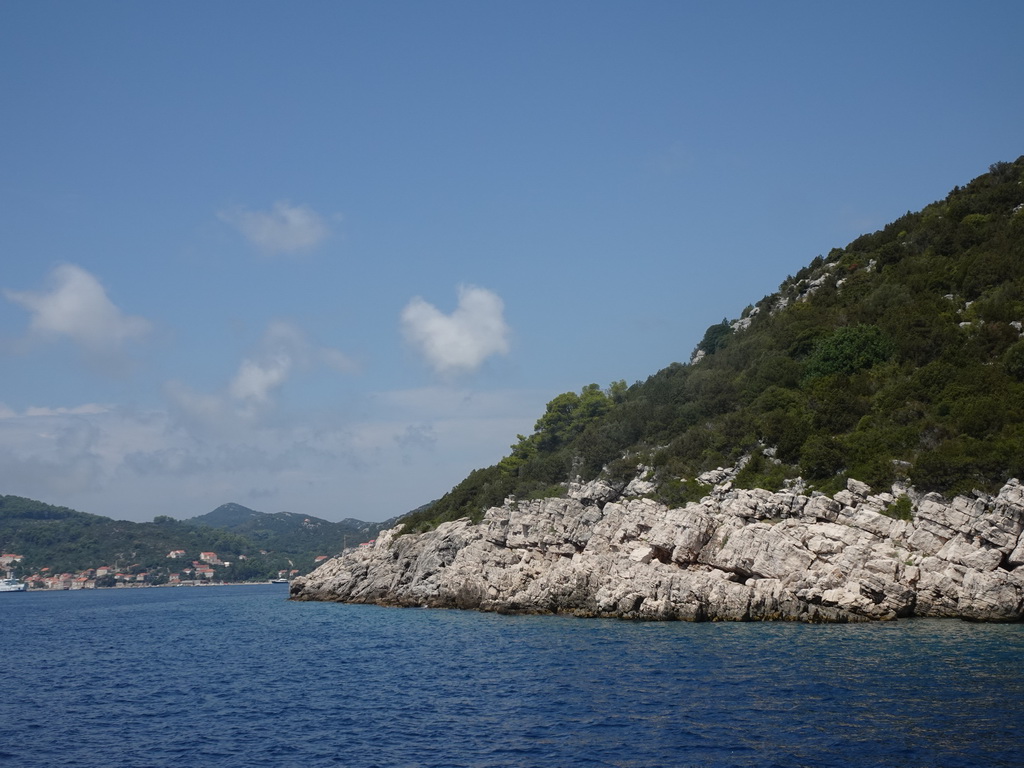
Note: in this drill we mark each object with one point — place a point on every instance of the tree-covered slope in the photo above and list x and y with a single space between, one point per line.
897 358
67 540
288 532
64 539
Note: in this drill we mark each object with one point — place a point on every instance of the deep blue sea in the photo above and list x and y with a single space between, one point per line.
239 676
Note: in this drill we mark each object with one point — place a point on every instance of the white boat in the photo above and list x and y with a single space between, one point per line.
12 585
279 581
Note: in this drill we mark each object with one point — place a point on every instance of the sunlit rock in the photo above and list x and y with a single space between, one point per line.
737 555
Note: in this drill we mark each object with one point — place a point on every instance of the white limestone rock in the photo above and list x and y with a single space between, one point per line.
737 555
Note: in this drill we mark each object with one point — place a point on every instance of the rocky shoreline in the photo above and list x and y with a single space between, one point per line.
737 555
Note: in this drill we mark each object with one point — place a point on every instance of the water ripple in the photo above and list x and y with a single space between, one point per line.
241 677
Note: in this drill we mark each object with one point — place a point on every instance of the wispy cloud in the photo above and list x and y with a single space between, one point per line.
283 348
416 437
283 352
255 379
77 307
285 228
201 451
460 342
337 360
67 449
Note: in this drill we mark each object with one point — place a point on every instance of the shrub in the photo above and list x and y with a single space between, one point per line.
848 350
678 491
822 456
901 509
1013 361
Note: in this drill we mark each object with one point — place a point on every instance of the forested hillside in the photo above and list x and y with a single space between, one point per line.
257 544
64 539
288 531
897 358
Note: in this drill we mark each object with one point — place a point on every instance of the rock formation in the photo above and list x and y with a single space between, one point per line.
736 555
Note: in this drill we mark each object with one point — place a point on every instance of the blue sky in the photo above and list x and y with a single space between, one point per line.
328 257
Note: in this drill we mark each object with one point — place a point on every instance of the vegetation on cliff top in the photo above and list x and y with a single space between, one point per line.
898 357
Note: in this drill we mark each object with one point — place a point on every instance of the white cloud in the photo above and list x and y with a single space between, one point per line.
285 228
255 379
46 450
78 308
203 451
283 351
462 341
337 360
88 409
283 347
202 415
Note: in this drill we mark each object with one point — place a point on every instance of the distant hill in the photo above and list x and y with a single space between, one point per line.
66 540
287 531
898 358
227 516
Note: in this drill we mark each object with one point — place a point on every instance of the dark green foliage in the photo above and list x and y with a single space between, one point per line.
906 362
1013 361
945 467
848 350
677 492
63 539
822 456
715 337
901 509
577 435
761 472
786 430
287 532
483 488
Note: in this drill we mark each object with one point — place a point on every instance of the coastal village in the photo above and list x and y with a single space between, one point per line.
207 569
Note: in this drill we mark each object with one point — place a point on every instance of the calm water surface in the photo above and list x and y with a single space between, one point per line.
239 676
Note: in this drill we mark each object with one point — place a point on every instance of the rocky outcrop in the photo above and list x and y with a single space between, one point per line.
737 555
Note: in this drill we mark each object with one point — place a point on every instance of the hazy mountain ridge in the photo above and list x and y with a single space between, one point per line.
288 530
64 539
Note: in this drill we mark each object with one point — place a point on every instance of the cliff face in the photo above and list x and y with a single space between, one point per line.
737 555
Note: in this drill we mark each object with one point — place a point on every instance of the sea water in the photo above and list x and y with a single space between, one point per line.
240 676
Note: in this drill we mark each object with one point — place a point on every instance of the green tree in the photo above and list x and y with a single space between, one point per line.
1013 361
822 456
848 350
555 426
715 337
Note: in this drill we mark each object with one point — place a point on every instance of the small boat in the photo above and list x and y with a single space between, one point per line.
11 584
279 581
